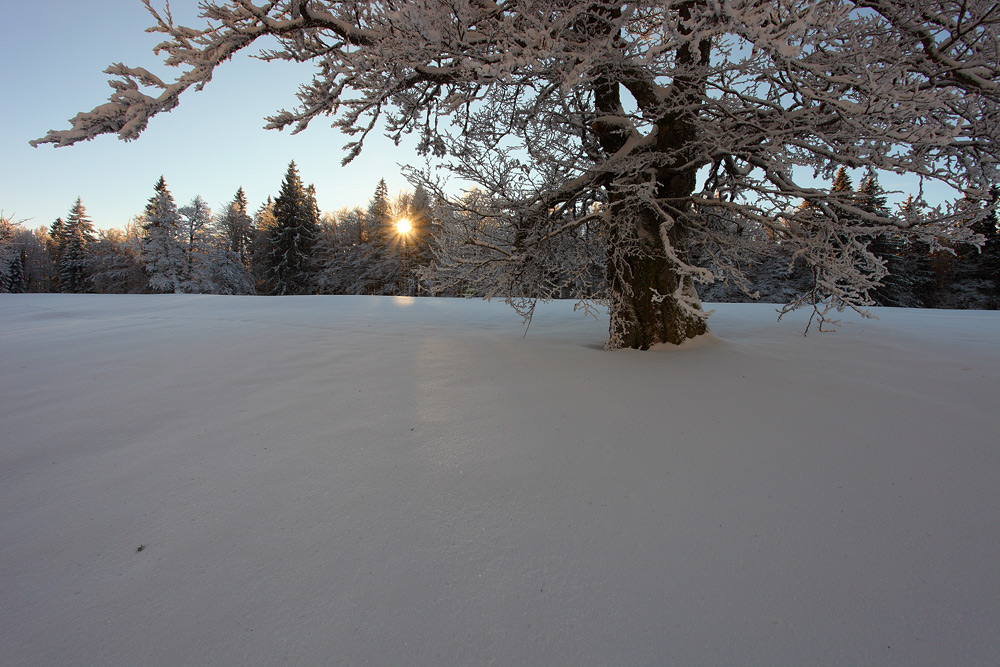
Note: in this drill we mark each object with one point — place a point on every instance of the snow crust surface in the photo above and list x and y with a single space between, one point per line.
376 481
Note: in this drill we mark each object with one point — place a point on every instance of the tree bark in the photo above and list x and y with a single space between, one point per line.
651 300
645 288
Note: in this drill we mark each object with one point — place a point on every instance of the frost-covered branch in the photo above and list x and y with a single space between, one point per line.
683 122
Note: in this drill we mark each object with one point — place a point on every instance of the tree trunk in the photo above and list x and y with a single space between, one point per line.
645 288
651 301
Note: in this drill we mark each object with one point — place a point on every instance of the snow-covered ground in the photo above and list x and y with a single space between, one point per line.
378 481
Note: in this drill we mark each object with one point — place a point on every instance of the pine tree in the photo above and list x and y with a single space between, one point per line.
77 235
379 268
292 240
882 248
313 205
162 252
419 213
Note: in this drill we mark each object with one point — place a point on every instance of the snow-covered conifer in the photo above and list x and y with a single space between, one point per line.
76 236
379 213
196 240
54 245
116 263
236 226
842 181
8 251
162 245
292 239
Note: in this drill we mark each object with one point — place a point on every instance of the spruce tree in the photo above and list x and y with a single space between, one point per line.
912 282
54 246
237 228
420 216
379 267
292 240
974 275
313 204
77 235
414 244
263 223
16 283
871 196
991 259
379 213
195 228
842 181
10 257
162 252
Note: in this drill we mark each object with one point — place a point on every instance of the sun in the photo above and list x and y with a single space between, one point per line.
403 227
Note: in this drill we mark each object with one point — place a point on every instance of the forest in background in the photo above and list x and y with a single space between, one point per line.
287 246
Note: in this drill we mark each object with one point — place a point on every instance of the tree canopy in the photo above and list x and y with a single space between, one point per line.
658 132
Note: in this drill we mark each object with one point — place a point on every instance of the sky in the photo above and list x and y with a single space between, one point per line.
211 145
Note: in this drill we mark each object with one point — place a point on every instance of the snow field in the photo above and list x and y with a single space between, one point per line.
355 480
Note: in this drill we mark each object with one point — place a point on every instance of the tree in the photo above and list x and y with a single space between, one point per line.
885 247
842 181
383 262
236 226
76 237
969 277
16 282
380 213
35 265
195 227
990 262
415 237
162 250
292 239
11 267
54 245
681 117
117 261
263 223
342 250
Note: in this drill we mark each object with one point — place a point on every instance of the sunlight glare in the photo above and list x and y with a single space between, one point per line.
403 226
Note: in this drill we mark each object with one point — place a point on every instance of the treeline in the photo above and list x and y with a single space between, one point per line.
919 275
288 247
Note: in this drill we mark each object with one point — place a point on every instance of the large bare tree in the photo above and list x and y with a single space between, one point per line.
665 128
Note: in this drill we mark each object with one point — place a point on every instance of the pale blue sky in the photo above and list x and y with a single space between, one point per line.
53 57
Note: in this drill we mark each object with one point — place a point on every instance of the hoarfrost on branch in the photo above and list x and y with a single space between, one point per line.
670 142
